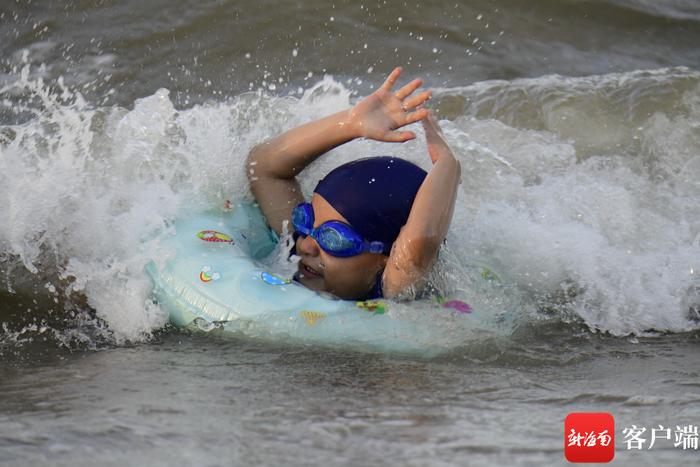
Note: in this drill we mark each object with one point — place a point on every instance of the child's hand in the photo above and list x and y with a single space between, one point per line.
437 147
378 115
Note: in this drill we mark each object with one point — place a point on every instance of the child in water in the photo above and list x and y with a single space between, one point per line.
374 226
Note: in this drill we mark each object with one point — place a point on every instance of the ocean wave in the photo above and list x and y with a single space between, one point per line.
581 194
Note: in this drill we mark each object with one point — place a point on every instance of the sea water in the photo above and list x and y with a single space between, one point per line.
576 125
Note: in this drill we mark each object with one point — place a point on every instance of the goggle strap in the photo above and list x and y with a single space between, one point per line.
376 247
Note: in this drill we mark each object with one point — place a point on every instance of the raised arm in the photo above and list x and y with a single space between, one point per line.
416 248
274 164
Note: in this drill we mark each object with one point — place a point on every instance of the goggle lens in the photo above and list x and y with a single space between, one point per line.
336 242
303 218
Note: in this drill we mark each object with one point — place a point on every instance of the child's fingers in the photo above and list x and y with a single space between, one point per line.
398 136
430 123
416 100
391 79
409 88
419 114
430 119
432 137
437 146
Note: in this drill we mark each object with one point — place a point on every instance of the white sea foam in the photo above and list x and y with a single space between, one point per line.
599 221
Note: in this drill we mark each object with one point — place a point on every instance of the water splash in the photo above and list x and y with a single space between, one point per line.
593 221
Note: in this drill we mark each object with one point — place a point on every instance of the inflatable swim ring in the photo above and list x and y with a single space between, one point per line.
216 281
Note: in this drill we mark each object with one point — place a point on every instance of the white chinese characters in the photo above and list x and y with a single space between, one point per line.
685 437
589 438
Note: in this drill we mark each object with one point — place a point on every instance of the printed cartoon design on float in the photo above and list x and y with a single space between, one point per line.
274 279
373 306
206 275
312 317
489 275
457 305
214 236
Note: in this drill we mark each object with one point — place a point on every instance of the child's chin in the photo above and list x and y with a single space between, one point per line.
313 283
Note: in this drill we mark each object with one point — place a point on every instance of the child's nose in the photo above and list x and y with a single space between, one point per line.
309 246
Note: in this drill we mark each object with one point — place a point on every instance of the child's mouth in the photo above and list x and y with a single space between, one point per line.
307 271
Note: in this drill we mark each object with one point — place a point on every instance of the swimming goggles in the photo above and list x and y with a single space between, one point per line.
334 237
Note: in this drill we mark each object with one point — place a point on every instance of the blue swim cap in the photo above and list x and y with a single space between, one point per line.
374 194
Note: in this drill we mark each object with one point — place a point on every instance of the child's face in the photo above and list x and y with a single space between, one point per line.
346 278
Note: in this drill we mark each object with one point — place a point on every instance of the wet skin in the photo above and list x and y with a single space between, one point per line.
346 278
